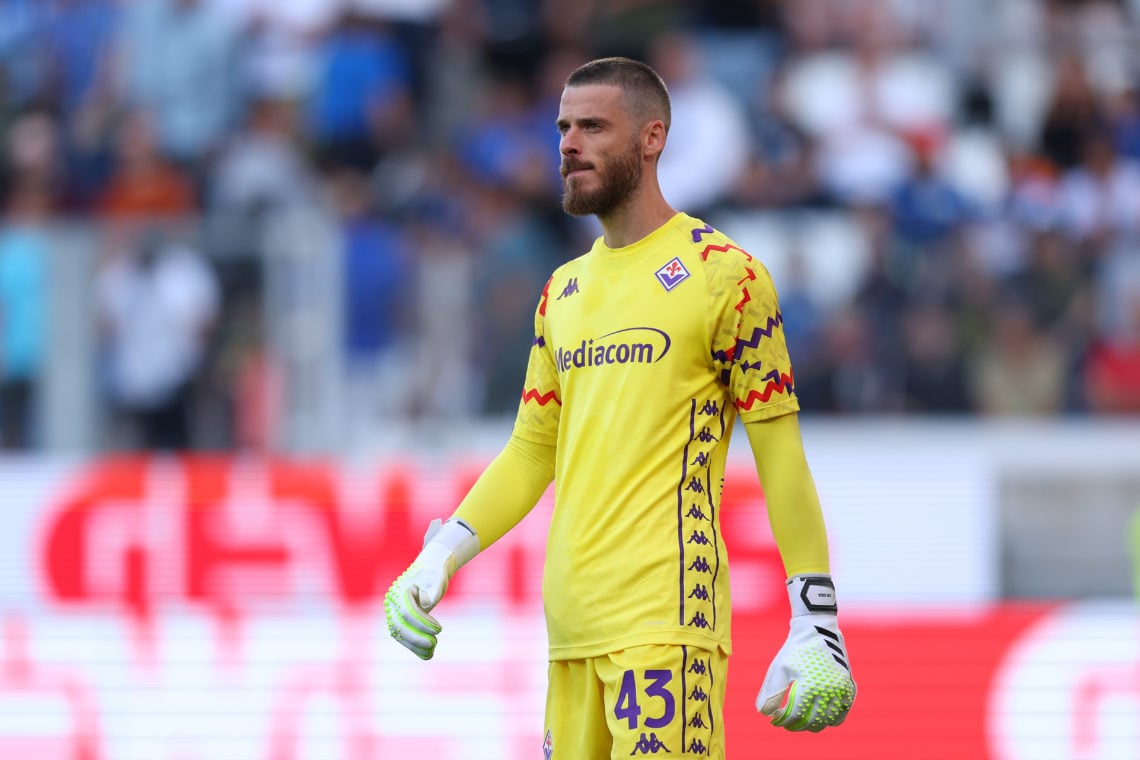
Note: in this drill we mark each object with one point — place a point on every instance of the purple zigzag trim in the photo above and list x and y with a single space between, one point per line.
700 232
539 341
757 332
753 342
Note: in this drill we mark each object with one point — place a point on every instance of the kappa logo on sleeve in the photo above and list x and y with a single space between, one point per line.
672 274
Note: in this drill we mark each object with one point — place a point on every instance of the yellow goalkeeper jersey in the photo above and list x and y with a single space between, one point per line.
643 357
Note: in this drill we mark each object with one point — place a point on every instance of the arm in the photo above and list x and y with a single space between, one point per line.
809 684
793 502
508 489
502 496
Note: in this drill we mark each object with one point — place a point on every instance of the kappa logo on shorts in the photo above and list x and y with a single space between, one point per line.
649 745
672 274
548 746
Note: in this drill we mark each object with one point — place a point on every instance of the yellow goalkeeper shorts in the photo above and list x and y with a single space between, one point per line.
647 700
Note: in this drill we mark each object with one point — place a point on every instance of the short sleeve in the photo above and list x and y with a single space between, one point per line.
540 408
747 332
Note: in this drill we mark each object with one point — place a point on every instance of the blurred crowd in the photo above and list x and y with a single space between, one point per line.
984 153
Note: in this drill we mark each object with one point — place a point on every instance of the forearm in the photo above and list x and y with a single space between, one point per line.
508 489
794 510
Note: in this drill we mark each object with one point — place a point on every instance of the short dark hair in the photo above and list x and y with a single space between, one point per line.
645 91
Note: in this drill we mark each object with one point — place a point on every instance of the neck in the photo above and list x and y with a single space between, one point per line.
643 213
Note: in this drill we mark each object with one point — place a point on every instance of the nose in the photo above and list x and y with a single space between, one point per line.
568 145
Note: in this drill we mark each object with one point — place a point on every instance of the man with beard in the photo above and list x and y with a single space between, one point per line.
646 349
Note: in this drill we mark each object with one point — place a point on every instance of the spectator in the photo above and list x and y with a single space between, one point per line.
177 60
1021 370
81 41
1112 368
860 378
511 31
361 104
23 60
32 158
157 303
24 259
507 274
928 215
624 27
935 380
440 234
781 167
143 183
262 167
1124 120
1072 114
926 207
278 48
506 141
1100 196
709 138
1055 285
804 332
740 44
378 272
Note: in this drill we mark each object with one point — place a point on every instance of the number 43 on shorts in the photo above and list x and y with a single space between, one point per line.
660 704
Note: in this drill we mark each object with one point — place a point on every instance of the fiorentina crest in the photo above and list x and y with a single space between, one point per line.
672 274
548 746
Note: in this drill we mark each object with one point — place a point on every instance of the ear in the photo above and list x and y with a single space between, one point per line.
653 138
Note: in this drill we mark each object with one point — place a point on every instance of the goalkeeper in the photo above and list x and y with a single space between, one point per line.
646 351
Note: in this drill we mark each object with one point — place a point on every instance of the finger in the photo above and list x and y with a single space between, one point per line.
423 646
774 703
785 711
409 625
800 711
415 616
429 590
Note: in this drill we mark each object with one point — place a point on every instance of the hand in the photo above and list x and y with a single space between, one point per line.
809 684
412 596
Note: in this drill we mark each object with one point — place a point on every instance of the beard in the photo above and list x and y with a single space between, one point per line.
618 180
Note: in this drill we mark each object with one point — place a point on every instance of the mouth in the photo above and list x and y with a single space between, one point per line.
570 170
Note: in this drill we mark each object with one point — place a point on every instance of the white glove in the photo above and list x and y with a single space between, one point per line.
809 685
447 547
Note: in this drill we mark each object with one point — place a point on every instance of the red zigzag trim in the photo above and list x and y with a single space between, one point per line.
545 297
774 386
532 394
723 249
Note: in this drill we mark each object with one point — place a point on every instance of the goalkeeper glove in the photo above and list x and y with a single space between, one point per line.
447 547
809 685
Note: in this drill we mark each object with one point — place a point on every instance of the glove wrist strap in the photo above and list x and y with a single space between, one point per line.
455 538
812 594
